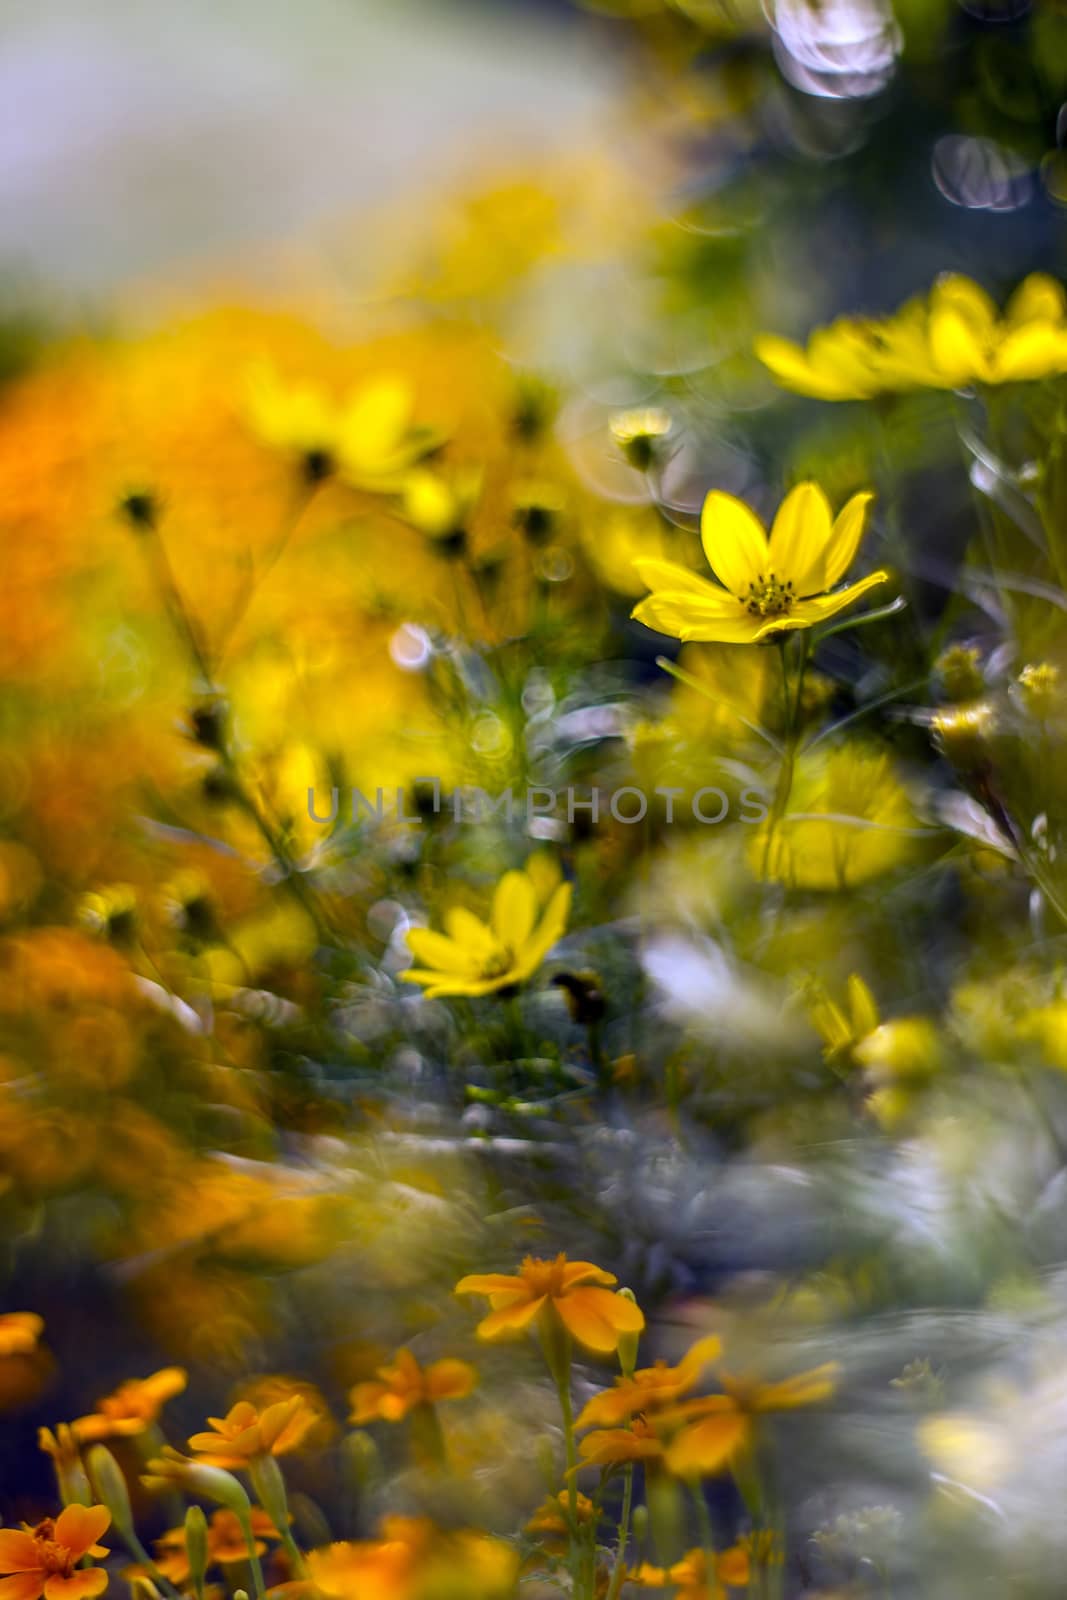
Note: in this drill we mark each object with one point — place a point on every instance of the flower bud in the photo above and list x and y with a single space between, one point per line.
628 1342
108 1483
1039 689
172 1469
196 1545
267 1481
963 733
959 671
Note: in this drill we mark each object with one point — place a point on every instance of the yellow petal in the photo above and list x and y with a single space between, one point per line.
1034 350
509 1319
799 539
734 542
549 930
514 910
807 612
686 617
863 1007
669 577
958 355
469 932
434 950
845 538
1038 298
967 299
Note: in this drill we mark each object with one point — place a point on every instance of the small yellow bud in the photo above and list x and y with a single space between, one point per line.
959 669
963 733
628 1342
109 1485
640 435
1039 689
196 1544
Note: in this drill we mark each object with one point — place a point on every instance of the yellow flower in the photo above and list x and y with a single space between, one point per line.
475 958
767 586
649 1387
953 338
245 1433
414 1560
369 439
843 1027
640 434
404 1385
133 1407
226 1543
549 1523
20 1332
571 1293
615 1447
691 1575
716 1429
43 1561
850 819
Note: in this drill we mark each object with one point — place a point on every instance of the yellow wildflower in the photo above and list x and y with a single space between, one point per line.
414 1560
843 1027
132 1408
20 1332
649 1387
766 585
44 1560
369 439
953 338
475 958
719 1427
403 1385
245 1433
575 1294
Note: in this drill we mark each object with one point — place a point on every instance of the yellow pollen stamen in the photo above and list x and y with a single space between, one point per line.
769 597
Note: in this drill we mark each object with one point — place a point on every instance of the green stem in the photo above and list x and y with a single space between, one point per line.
624 1533
253 1559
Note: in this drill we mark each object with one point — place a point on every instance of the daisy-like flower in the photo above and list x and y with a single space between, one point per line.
948 340
226 1543
640 434
244 1433
44 1560
576 1294
765 586
132 1408
403 1385
549 1522
616 1447
649 1388
716 1429
475 958
20 1332
414 1560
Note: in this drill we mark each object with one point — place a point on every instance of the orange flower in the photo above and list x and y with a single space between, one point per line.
225 1543
571 1292
549 1522
132 1408
405 1385
612 1447
43 1560
717 1428
692 1577
19 1332
414 1560
649 1388
244 1433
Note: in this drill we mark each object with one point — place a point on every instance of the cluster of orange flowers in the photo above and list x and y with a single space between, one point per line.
649 1417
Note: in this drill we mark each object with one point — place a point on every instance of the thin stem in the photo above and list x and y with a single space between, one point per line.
253 1559
624 1533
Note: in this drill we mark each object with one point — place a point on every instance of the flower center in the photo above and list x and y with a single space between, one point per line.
54 1558
769 596
500 961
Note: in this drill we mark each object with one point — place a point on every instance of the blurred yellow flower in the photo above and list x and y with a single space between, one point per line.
549 1522
476 958
132 1408
369 439
694 1578
615 1447
850 819
714 1430
572 1293
766 585
843 1027
20 1332
403 1385
953 338
245 1433
649 1387
414 1560
226 1544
